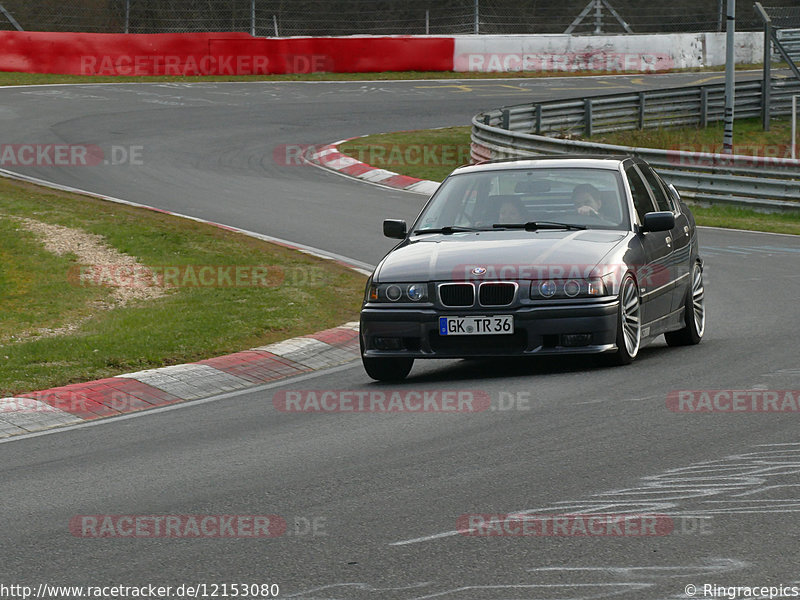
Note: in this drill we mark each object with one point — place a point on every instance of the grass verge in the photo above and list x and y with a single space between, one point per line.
748 138
191 321
434 153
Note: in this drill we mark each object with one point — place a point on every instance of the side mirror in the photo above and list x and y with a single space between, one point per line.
658 221
395 228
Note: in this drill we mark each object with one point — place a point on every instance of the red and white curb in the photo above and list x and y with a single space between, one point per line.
76 403
73 404
329 157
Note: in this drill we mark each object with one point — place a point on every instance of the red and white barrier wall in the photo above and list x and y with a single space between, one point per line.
217 54
242 54
613 53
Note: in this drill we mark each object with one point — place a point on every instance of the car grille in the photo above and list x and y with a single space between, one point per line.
457 294
496 294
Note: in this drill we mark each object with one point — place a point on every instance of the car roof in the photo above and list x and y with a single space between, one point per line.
590 161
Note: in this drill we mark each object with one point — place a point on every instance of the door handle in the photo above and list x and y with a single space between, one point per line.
669 241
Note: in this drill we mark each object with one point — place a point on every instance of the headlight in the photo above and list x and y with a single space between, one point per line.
568 288
397 292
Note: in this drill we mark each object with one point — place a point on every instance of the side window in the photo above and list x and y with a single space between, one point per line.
659 193
671 195
641 197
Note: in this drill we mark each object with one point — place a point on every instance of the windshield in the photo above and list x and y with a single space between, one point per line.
590 198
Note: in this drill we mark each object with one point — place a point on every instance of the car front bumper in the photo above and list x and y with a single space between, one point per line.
538 330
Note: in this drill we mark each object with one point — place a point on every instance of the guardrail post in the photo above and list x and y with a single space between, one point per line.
703 106
641 109
587 118
538 117
487 120
506 118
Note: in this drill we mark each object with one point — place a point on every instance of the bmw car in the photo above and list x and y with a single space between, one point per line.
545 256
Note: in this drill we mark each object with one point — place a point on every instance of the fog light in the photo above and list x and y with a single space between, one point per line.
388 343
572 288
576 339
393 293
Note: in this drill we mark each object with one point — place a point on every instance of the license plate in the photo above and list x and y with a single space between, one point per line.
494 325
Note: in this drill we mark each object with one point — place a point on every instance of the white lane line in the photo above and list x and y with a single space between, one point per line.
428 538
360 81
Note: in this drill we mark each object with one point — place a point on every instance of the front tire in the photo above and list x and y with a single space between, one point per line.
629 323
386 369
694 313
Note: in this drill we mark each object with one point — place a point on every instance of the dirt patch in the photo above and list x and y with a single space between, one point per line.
93 252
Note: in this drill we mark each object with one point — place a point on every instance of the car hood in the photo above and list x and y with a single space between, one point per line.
504 255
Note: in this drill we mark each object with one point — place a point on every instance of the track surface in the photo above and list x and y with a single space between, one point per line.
386 490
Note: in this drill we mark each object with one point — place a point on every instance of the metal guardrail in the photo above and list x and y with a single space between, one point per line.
790 40
764 183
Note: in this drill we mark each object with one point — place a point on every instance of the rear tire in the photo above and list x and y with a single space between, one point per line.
694 313
629 323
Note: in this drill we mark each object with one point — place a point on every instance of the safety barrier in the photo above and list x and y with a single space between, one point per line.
766 183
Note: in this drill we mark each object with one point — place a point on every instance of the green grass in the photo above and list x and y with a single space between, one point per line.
429 154
748 138
454 141
740 218
15 78
187 324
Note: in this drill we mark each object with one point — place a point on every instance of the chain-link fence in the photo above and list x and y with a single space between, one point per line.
384 17
784 17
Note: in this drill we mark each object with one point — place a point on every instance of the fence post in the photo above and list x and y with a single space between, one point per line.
641 109
766 81
538 119
704 106
587 117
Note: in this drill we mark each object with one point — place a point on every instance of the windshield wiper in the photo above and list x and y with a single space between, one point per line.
449 229
534 225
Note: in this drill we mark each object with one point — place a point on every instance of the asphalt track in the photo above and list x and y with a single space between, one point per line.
386 491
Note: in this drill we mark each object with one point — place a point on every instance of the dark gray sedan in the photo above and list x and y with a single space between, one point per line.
556 255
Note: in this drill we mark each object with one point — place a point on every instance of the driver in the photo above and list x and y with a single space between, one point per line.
510 211
587 198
